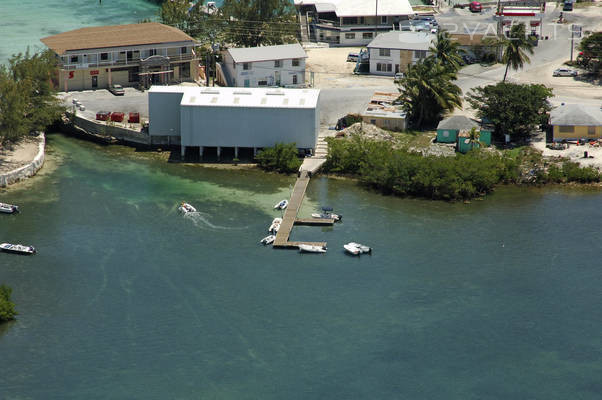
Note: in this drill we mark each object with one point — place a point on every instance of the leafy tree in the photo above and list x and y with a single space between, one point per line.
513 109
252 23
193 20
283 158
591 48
474 138
447 51
14 104
7 308
427 91
516 48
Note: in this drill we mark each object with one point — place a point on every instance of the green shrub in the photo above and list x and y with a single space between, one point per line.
282 158
7 308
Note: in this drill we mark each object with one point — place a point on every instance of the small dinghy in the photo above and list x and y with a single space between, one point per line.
267 240
186 208
275 228
282 205
17 248
8 208
356 248
308 248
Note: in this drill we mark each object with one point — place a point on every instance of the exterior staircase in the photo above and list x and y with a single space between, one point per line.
304 28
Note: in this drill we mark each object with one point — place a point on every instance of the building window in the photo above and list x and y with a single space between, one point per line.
185 70
419 53
383 19
591 130
132 75
362 20
277 64
373 121
566 129
349 20
294 79
246 66
296 62
384 52
350 36
104 56
383 67
367 35
152 52
74 59
262 83
184 50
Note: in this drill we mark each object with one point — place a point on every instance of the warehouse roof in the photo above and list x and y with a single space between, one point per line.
100 37
360 8
457 122
267 53
403 41
576 115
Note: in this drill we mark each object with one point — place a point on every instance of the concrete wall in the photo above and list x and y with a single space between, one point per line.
248 127
16 175
391 124
167 106
579 132
101 128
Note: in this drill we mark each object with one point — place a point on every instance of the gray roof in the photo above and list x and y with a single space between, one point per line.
575 115
267 53
458 122
403 40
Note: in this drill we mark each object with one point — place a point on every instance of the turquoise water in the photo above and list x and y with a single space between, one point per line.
126 299
24 22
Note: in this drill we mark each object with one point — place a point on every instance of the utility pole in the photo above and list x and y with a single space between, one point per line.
375 20
572 40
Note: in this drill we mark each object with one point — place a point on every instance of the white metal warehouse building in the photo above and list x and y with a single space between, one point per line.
230 117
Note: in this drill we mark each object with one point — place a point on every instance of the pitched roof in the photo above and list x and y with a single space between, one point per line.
267 53
403 40
100 37
360 8
457 122
576 115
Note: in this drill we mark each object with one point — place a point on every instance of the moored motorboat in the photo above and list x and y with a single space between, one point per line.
275 228
309 248
268 240
327 214
277 220
362 248
8 208
17 248
186 208
351 249
282 205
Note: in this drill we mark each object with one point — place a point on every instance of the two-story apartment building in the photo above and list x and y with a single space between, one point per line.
281 65
392 52
129 55
350 22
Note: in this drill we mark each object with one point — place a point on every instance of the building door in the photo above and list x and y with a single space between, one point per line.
396 68
247 83
277 77
295 79
94 82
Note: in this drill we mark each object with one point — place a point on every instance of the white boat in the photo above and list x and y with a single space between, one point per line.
275 228
351 249
308 248
277 220
8 208
282 205
17 248
268 240
186 208
336 217
362 248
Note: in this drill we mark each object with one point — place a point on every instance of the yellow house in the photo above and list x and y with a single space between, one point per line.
384 113
576 121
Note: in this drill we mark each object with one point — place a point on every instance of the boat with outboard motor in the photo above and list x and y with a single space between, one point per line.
8 208
268 240
186 208
327 214
275 225
17 248
309 248
357 248
282 205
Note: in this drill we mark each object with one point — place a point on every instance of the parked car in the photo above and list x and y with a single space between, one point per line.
398 76
564 72
568 6
117 90
475 6
468 59
353 57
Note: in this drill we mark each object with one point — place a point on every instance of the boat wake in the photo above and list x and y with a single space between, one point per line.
202 220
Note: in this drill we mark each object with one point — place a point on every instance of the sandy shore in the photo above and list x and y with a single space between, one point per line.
19 154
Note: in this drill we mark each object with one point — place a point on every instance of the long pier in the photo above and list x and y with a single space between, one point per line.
290 216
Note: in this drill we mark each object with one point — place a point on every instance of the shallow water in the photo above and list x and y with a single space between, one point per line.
496 299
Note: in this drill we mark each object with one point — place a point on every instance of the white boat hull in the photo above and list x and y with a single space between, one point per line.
8 208
268 240
336 217
17 248
307 248
281 205
186 208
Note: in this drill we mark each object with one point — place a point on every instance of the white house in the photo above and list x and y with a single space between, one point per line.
282 65
391 52
217 119
350 22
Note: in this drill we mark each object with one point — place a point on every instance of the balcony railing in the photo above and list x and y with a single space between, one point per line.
123 62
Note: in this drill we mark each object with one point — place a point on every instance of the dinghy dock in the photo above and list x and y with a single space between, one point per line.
290 216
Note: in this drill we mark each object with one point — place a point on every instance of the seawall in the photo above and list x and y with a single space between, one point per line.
24 172
101 131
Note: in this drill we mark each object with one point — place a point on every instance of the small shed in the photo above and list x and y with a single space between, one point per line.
449 128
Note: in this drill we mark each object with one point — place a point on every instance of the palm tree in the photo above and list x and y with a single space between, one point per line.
474 138
516 48
447 51
427 90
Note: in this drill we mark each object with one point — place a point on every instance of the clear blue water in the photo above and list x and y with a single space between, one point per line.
497 299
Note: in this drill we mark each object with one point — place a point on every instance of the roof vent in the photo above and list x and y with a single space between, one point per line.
275 93
301 102
236 100
209 91
243 92
214 100
285 101
264 100
192 99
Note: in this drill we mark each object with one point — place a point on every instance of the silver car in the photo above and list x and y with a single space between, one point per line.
564 72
